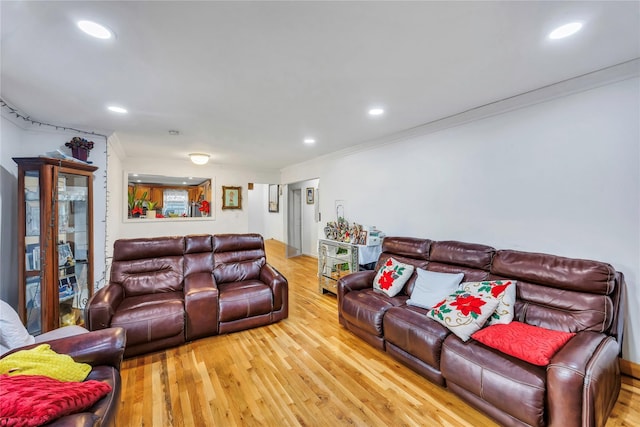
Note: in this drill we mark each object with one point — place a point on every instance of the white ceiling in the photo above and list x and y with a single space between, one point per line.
247 81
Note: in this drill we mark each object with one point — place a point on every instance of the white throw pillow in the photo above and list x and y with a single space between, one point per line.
392 276
504 291
432 287
464 313
12 332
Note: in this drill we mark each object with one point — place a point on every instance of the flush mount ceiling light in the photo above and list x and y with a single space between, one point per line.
199 158
116 109
309 141
565 31
95 30
376 111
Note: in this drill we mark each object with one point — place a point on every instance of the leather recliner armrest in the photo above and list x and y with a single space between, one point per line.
583 381
355 282
102 305
201 305
103 347
278 283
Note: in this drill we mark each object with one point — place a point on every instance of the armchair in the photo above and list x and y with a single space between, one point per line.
251 292
145 294
103 350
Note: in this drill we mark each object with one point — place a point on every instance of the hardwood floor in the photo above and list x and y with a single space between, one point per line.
304 371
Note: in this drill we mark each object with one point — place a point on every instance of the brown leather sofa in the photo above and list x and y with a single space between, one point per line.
165 291
582 382
103 350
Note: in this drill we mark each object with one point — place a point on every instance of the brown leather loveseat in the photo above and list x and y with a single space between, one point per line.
165 291
580 384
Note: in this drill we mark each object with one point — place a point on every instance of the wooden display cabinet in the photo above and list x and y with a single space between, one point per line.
55 241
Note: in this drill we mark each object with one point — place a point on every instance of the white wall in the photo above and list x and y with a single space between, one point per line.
257 208
560 177
20 140
268 224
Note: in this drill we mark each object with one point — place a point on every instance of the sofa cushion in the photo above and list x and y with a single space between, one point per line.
463 312
410 247
41 360
432 287
33 400
530 343
366 308
148 318
509 384
239 300
503 290
149 275
392 277
561 293
13 334
410 330
462 254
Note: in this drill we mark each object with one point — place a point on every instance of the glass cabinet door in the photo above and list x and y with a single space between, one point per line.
33 253
73 245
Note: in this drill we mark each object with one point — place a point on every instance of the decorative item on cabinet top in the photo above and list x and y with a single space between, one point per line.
80 148
356 234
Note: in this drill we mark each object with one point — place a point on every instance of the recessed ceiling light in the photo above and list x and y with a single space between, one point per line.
376 112
117 109
309 141
565 31
95 30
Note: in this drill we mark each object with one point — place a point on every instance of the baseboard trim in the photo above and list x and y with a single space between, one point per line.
630 369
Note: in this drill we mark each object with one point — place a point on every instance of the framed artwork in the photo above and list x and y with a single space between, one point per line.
310 195
231 197
274 198
362 238
64 255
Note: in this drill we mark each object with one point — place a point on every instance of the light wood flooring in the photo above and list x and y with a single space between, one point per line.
304 371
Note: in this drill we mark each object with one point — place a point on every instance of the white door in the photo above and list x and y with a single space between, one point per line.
294 243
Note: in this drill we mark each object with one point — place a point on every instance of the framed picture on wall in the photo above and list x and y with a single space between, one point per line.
274 198
231 197
310 195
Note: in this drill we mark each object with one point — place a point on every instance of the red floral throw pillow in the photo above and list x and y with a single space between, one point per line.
33 400
391 278
503 290
463 313
532 344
